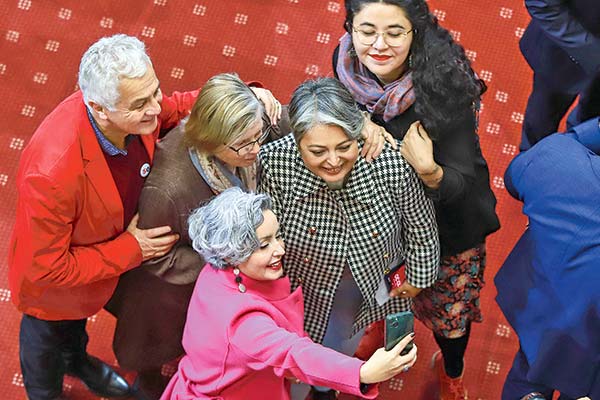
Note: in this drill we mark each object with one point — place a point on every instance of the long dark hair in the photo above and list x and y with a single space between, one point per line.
446 87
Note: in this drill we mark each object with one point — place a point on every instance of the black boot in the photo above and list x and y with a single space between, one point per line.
99 377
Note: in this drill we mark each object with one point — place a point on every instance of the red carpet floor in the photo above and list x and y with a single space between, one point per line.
281 43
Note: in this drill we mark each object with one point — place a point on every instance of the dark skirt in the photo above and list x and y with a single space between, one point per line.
452 302
151 315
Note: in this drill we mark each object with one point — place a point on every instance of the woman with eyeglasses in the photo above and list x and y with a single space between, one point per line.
416 82
214 149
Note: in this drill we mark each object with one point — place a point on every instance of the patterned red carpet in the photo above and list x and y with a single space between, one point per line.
281 43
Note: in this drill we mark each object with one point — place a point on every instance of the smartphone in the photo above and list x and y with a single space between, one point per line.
397 326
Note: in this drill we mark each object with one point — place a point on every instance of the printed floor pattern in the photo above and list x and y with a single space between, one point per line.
280 43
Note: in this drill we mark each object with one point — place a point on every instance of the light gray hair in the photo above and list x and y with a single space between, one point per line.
224 230
108 61
324 101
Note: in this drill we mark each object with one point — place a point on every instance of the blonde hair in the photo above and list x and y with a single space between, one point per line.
224 109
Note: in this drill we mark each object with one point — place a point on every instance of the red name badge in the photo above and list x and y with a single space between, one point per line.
396 277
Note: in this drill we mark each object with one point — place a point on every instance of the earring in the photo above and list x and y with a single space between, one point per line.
238 280
410 61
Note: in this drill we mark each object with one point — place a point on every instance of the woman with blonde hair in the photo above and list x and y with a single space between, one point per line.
214 149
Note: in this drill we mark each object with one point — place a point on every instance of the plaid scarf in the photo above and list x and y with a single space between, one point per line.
390 100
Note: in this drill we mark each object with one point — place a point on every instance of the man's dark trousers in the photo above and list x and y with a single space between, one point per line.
46 348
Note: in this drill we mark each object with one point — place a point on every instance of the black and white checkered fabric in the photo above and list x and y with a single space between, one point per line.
382 214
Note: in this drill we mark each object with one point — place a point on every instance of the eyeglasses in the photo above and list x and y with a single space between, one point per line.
392 38
247 148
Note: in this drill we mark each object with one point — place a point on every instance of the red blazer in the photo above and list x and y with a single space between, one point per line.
68 247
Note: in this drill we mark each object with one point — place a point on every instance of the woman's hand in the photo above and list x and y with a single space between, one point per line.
405 290
375 137
272 106
384 365
417 149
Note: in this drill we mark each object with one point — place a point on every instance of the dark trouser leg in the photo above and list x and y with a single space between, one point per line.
41 346
346 305
75 344
545 109
453 352
151 383
517 385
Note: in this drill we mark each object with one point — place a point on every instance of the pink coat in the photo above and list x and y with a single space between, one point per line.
243 345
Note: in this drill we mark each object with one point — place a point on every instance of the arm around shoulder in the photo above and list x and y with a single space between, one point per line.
176 107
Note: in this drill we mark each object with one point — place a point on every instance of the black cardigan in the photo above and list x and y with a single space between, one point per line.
464 202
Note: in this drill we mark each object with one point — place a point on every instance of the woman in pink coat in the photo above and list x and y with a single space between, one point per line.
244 333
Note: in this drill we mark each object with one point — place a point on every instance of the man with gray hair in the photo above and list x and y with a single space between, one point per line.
76 230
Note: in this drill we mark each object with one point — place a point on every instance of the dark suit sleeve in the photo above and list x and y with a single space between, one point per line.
560 25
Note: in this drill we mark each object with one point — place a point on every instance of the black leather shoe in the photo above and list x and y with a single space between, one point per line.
99 377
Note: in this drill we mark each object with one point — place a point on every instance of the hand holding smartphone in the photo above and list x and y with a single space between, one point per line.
398 326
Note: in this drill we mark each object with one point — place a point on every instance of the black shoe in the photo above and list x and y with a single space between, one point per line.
316 395
99 377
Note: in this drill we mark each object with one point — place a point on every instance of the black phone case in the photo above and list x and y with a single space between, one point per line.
397 326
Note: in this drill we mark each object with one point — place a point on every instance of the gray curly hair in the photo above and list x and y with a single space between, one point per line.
224 230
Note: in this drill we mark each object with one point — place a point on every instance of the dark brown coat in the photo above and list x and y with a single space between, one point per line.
151 301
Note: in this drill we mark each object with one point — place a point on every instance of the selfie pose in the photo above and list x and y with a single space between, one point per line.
256 338
414 81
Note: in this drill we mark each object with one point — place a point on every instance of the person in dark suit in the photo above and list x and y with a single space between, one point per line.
562 46
548 285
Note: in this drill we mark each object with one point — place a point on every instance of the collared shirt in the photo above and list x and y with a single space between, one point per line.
105 144
129 169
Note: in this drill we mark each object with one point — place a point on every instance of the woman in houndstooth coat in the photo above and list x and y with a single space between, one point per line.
345 221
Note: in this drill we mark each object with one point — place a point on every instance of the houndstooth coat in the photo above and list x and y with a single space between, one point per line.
382 214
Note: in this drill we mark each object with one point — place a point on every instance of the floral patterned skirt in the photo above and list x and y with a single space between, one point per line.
452 302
